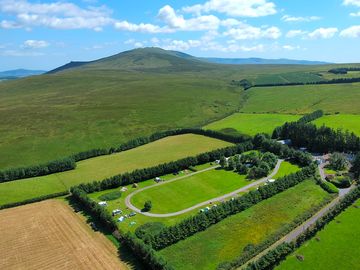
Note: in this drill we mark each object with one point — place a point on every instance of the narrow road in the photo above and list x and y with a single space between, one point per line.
231 194
300 229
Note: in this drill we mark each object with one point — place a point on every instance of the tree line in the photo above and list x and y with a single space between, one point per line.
201 221
69 163
307 118
318 139
332 81
55 166
343 70
274 256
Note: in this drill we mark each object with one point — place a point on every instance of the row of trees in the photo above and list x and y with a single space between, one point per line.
343 70
307 118
276 255
318 139
201 221
333 81
55 166
162 169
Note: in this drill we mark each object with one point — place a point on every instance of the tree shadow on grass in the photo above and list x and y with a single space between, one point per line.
124 253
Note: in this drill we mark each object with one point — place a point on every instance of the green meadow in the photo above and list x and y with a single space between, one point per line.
161 151
190 191
285 169
332 98
349 122
335 247
227 239
251 124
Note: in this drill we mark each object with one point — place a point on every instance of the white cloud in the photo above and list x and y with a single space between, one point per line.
241 8
351 3
244 32
355 14
290 47
9 25
142 27
351 32
174 21
323 33
288 18
35 44
295 33
58 15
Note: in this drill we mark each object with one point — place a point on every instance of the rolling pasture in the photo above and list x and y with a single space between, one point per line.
343 98
335 247
227 239
49 235
349 122
161 151
190 191
251 124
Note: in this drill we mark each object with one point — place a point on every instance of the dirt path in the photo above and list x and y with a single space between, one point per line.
49 235
221 198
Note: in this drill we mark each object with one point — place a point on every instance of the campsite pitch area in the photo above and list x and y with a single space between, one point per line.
226 240
251 124
190 191
349 122
335 247
49 235
343 98
161 151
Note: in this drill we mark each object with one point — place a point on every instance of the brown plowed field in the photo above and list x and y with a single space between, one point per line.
49 235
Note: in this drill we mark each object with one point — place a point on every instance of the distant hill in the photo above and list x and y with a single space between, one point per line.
261 61
145 59
19 73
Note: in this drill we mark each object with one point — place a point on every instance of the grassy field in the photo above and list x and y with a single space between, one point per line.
349 122
287 78
164 150
285 169
227 239
335 247
251 124
190 191
52 116
343 98
49 235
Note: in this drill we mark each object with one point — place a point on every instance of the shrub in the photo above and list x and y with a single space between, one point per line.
147 206
341 182
148 229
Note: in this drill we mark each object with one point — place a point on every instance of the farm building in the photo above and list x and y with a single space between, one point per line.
123 189
285 142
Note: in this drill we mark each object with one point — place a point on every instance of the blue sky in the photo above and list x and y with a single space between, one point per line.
38 34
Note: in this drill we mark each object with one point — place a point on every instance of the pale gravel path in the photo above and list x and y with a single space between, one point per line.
221 198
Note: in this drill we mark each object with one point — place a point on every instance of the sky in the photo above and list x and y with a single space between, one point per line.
36 34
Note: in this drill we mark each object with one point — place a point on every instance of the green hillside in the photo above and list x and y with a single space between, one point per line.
106 102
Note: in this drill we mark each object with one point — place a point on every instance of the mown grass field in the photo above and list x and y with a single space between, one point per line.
285 169
343 98
251 124
337 246
161 151
49 235
227 239
190 191
349 122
